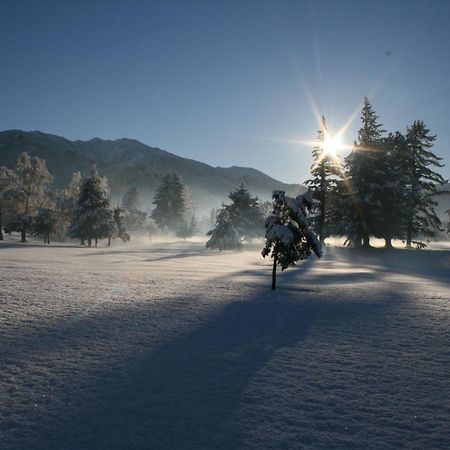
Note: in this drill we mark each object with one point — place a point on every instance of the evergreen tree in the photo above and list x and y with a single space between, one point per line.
245 213
421 183
119 220
44 224
223 235
288 237
93 218
324 173
390 193
66 204
364 177
28 194
170 203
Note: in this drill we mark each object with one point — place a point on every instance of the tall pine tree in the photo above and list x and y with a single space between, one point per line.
421 184
169 203
364 179
324 174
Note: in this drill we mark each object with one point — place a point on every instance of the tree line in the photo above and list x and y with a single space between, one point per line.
386 187
82 210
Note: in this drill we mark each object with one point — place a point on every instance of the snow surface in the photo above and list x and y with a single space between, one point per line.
168 345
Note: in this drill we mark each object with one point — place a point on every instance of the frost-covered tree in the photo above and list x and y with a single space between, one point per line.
245 213
364 178
169 203
130 200
324 174
421 183
93 217
119 220
288 236
28 194
135 219
223 235
66 203
8 180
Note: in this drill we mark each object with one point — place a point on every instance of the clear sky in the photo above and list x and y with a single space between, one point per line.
224 82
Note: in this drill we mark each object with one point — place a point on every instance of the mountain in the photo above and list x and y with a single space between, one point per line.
128 163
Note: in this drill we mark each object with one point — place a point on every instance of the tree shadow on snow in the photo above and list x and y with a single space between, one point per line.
183 395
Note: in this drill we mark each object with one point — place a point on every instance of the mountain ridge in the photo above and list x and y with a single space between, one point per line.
128 162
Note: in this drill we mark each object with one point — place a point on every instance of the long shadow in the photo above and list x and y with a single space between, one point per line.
183 394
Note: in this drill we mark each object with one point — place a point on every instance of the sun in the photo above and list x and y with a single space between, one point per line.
331 145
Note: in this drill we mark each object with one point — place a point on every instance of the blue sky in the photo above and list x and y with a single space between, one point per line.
226 83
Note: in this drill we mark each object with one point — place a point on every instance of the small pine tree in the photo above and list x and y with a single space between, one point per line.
93 218
119 220
245 213
223 235
170 203
288 237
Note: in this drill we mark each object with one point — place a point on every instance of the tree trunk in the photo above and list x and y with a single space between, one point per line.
109 241
23 235
96 241
388 242
366 241
82 242
1 227
89 242
409 239
274 273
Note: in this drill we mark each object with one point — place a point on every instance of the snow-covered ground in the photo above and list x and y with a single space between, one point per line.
167 345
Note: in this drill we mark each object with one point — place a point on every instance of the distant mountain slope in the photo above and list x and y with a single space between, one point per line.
128 162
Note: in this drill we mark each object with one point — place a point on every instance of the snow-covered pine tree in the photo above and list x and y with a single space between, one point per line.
324 174
119 220
364 178
93 217
288 237
8 180
245 213
223 235
170 203
29 192
421 184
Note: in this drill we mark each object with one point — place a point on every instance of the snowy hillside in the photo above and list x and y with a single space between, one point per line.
128 163
170 346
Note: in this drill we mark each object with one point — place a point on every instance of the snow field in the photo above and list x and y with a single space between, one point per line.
167 345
